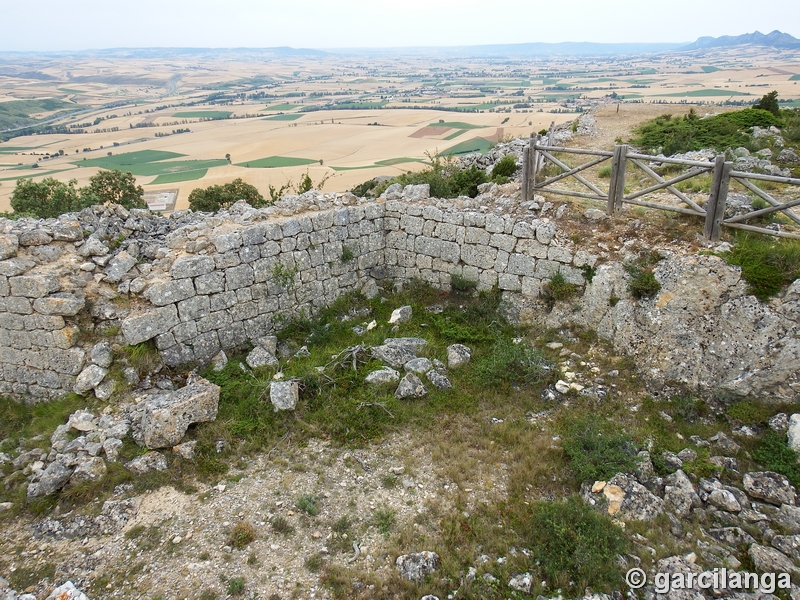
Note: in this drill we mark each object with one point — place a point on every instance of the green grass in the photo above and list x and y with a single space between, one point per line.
795 77
178 177
355 168
774 453
203 114
453 136
290 117
384 520
308 503
458 125
558 290
128 159
710 69
282 107
768 264
17 113
389 162
241 535
596 449
704 93
33 175
274 162
477 144
18 420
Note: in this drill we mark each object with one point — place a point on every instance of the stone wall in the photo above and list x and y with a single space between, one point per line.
196 283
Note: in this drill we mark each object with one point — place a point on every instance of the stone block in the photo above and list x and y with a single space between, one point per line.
193 308
62 304
509 282
9 244
191 266
503 241
33 286
167 292
227 241
519 264
559 254
144 326
210 283
168 416
238 277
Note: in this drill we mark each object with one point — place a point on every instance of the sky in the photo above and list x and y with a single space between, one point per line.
52 25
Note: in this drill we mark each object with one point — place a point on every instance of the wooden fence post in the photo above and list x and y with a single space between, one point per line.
717 198
616 187
535 159
526 174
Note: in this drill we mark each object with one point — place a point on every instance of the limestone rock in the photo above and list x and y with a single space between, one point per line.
779 422
382 376
186 450
55 476
458 355
414 344
418 366
93 247
147 325
410 387
724 500
167 416
219 361
415 193
284 394
258 357
439 380
595 215
89 378
92 469
119 266
101 354
62 304
521 582
788 518
418 565
269 343
770 560
725 444
147 462
401 315
639 504
394 356
111 447
68 591
9 244
82 420
769 487
793 432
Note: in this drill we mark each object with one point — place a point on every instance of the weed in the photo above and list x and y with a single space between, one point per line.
236 586
775 454
588 272
204 555
242 534
134 532
143 357
688 409
557 289
342 525
208 594
643 283
767 264
512 364
314 562
252 559
384 519
284 275
505 167
604 172
308 504
347 255
576 546
613 300
389 481
596 450
462 284
25 577
750 412
282 526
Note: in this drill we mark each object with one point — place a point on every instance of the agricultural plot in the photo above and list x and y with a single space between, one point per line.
281 107
705 93
273 162
203 114
158 163
477 144
286 117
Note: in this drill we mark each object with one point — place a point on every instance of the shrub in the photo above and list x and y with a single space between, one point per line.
557 289
308 504
509 363
769 102
384 519
281 526
575 546
242 534
236 586
644 285
216 197
445 178
347 255
604 172
767 264
505 167
49 198
462 284
775 455
595 450
118 187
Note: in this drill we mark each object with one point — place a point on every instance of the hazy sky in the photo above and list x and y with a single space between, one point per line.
84 24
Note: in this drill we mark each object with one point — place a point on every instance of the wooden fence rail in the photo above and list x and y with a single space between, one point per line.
713 212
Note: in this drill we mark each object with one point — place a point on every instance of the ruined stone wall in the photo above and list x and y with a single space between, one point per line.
196 284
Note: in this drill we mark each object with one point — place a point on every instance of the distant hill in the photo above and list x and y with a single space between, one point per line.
516 50
775 39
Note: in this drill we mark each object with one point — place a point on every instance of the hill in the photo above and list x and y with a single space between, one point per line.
775 39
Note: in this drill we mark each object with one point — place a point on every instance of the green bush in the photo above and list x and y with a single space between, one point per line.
49 198
308 504
242 534
575 546
596 451
215 197
505 167
557 289
767 263
769 102
512 364
236 586
445 178
644 285
117 187
775 455
604 172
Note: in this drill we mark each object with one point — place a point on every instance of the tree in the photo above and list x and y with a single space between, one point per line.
117 187
213 198
49 198
228 158
769 102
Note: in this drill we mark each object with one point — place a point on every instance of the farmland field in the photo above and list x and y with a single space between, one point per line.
279 118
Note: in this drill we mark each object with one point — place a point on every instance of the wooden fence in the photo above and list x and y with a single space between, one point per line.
713 211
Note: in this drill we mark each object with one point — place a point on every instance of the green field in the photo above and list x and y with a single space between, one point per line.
291 117
795 77
17 113
127 159
337 169
389 162
151 162
453 136
32 175
457 125
274 162
11 149
178 177
281 107
710 69
705 93
203 114
477 144
69 91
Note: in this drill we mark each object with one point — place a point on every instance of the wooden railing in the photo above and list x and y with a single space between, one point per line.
536 155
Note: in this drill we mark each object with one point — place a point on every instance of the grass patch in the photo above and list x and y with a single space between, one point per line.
236 586
596 449
241 535
389 162
710 69
281 526
282 107
384 520
604 172
774 454
767 264
18 420
643 283
274 162
178 177
453 136
203 114
462 284
477 144
25 577
124 161
457 125
509 364
289 117
557 289
308 504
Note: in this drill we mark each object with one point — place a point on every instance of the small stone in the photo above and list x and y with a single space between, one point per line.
439 380
394 356
383 376
562 387
554 345
186 450
82 420
284 394
401 315
724 500
101 354
687 455
615 496
147 462
726 445
92 469
598 486
793 431
111 447
219 361
418 365
410 387
68 591
595 215
417 566
521 582
458 355
259 357
88 379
